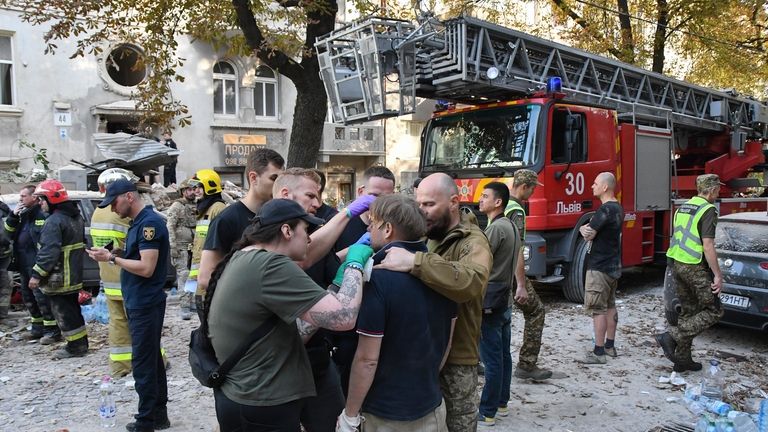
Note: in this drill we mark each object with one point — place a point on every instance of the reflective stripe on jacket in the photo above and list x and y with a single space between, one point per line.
201 231
107 226
686 245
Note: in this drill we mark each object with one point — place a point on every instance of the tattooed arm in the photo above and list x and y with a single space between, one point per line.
336 311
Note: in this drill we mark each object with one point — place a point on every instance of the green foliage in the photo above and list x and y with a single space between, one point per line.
39 154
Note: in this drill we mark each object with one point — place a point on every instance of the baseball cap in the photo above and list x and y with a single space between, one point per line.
282 210
708 181
115 189
526 177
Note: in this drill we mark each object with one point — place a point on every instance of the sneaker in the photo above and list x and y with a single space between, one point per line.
485 421
668 345
534 374
502 411
63 353
687 366
611 352
50 339
592 358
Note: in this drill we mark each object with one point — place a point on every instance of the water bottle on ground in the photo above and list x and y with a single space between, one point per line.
107 408
742 422
712 383
705 424
762 417
716 406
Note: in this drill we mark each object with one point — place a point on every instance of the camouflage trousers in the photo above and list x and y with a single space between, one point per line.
533 313
182 273
700 307
459 386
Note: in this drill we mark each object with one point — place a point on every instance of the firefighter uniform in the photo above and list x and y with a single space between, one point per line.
181 230
533 308
24 230
201 231
59 266
107 227
700 307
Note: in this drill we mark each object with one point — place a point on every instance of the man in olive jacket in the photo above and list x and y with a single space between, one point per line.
58 271
457 266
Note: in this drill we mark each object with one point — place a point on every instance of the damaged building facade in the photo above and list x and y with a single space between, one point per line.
237 105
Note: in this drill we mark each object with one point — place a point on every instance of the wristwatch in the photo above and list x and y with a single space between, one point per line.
112 258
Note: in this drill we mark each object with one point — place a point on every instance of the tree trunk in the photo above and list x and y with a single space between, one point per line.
660 36
308 122
311 100
627 40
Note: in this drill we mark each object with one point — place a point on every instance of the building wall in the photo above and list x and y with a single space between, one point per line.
42 83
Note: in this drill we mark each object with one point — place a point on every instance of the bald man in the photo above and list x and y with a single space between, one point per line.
457 265
603 268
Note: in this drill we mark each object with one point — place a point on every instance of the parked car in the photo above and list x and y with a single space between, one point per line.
742 251
87 202
741 241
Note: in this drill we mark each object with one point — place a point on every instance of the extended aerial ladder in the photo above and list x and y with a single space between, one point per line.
375 68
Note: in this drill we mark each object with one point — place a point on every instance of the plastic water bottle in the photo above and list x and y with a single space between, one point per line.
742 422
762 416
174 291
712 383
705 424
716 406
107 408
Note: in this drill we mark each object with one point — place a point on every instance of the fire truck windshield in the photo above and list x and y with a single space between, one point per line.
495 137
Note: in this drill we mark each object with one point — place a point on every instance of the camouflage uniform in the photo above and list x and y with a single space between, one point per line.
459 386
181 232
533 313
533 309
700 307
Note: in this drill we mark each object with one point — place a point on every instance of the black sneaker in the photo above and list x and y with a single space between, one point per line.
668 345
687 366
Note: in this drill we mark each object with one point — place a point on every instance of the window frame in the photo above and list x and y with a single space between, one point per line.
224 78
12 64
261 83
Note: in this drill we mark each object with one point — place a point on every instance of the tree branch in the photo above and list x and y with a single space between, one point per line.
273 58
587 27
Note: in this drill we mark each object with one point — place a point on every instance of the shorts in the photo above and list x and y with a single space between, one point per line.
599 293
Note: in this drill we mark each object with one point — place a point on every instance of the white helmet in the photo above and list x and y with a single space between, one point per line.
114 174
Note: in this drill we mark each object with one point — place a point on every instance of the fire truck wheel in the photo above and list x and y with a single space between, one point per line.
573 286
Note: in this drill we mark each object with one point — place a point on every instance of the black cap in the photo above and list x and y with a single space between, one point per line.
281 210
115 189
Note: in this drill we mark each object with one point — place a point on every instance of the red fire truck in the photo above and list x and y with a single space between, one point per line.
508 100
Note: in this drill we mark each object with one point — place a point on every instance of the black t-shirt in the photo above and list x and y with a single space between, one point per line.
228 227
352 232
605 252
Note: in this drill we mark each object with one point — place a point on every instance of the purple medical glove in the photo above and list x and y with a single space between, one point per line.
360 205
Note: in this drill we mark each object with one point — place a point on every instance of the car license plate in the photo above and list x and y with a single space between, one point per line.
735 300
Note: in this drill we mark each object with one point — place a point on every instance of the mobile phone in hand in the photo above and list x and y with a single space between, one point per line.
109 245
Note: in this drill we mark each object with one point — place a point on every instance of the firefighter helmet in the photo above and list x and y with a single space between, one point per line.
113 174
208 179
52 190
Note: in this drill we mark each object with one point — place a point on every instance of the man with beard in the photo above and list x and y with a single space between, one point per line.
457 266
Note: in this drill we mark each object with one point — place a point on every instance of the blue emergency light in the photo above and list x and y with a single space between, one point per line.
554 85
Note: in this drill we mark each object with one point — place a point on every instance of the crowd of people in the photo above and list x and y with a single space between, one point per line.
377 314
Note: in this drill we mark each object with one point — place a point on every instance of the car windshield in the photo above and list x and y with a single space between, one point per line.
498 137
742 237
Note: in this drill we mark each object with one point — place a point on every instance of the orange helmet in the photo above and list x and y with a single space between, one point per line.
52 190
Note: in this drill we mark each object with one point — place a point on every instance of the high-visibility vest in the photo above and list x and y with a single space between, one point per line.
107 226
512 206
686 245
201 232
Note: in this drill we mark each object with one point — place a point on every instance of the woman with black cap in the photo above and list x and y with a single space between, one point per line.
259 279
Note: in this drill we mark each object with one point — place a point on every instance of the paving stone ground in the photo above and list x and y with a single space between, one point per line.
41 394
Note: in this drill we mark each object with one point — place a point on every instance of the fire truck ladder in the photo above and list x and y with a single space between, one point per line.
389 62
